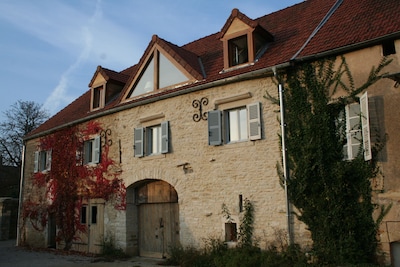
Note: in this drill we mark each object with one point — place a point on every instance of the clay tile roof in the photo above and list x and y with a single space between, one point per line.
354 22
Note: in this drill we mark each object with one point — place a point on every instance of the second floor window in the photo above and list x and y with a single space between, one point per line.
42 161
234 125
152 140
91 151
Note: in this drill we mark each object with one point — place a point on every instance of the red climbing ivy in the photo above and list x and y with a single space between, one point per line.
62 190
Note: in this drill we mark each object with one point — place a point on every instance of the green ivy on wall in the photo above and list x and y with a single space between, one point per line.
332 195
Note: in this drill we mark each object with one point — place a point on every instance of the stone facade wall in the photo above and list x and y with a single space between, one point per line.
205 177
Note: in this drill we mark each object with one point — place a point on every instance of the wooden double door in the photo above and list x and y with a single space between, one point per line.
158 219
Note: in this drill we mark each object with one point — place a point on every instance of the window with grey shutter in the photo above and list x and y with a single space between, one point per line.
138 142
214 128
96 150
87 152
165 137
254 120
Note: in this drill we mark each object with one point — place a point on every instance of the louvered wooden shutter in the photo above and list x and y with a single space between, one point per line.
365 126
165 137
36 162
254 120
96 148
138 142
214 128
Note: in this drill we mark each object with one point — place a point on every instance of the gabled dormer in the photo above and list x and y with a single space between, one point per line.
105 86
244 40
163 66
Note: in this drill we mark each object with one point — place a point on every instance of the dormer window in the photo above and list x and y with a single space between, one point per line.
97 97
244 41
106 85
238 51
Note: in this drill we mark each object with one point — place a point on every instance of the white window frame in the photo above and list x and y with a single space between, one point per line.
91 151
219 125
151 140
42 161
358 137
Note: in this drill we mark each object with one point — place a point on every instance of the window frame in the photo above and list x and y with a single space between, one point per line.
42 161
143 140
219 125
363 130
91 152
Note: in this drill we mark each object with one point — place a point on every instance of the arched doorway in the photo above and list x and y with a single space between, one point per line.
157 217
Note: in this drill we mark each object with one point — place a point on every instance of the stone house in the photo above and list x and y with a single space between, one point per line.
189 129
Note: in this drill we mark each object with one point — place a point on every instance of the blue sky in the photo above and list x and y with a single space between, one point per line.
49 49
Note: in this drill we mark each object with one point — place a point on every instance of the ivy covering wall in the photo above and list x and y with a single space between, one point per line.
62 190
332 195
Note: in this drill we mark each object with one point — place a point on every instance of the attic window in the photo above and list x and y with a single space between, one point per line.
244 47
159 72
97 97
238 51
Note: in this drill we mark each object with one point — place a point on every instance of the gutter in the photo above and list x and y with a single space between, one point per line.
242 77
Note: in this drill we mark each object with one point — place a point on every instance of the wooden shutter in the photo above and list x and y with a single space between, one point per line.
96 149
254 121
365 126
36 162
214 128
138 136
165 137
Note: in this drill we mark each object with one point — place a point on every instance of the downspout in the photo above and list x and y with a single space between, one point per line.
21 194
284 160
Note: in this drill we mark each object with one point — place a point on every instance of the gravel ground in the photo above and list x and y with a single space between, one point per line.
12 256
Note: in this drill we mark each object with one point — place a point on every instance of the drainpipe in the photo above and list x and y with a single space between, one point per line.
284 160
21 194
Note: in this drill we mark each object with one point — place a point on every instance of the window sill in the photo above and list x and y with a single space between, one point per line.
154 157
237 67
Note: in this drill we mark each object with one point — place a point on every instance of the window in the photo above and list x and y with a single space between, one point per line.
97 98
151 140
388 48
241 48
83 214
357 130
159 72
93 215
238 51
230 232
42 161
91 151
239 124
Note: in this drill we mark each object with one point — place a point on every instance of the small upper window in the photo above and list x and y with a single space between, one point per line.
388 48
97 97
238 51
